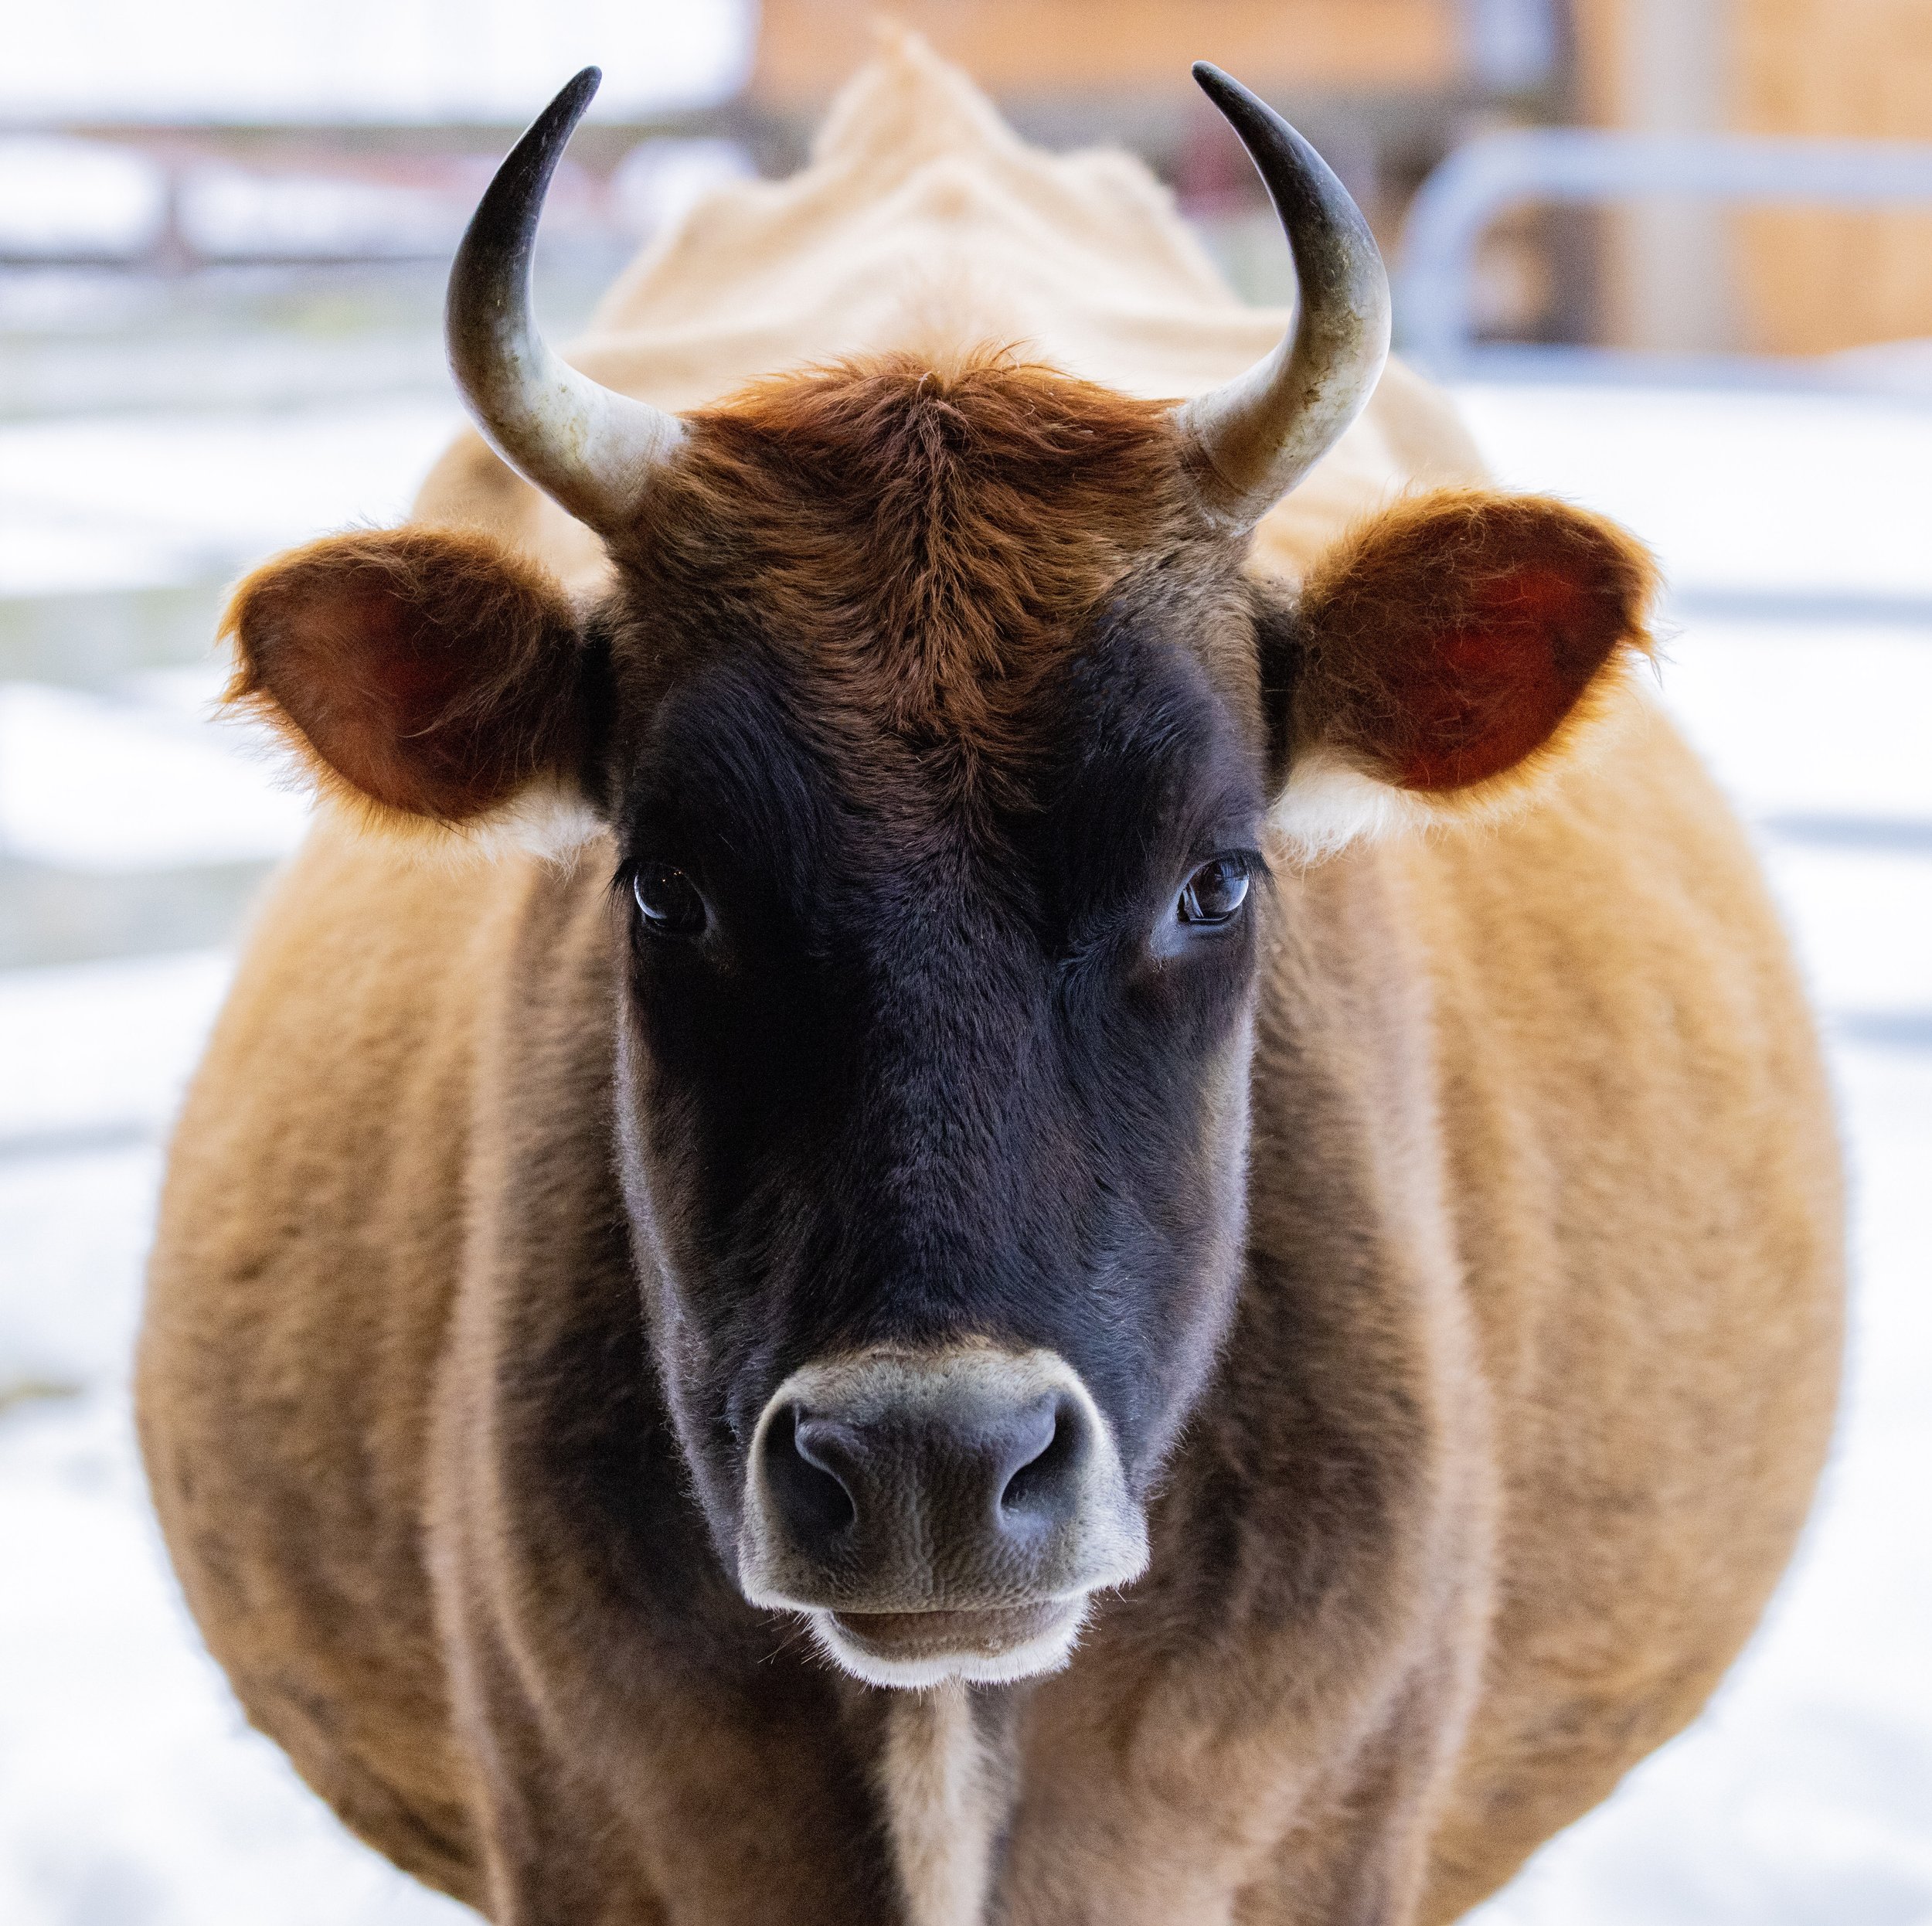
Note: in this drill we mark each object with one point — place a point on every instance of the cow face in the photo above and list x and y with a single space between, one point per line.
935 730
939 822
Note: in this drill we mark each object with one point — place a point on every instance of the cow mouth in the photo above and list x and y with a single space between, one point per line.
914 1648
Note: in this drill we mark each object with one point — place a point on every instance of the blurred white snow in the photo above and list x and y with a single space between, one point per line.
660 181
81 774
323 62
130 1792
118 501
58 195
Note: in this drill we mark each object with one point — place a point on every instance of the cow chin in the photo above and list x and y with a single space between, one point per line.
911 1650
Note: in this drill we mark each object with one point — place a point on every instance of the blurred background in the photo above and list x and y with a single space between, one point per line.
1673 258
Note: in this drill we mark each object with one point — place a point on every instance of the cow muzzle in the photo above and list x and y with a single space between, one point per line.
942 1514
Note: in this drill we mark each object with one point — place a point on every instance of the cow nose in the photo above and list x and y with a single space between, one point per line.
955 1481
993 1477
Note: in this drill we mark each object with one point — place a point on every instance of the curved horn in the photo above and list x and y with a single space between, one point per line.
1257 437
591 449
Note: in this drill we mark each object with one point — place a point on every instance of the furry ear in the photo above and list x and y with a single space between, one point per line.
427 675
1443 653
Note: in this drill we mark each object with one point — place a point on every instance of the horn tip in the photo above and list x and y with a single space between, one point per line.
1216 83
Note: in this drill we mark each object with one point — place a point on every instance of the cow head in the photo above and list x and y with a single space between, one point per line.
937 729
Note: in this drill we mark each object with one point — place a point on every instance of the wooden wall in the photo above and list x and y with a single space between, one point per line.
1015 47
1812 281
1801 280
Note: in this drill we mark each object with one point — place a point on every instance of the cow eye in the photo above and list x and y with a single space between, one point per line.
668 900
1213 894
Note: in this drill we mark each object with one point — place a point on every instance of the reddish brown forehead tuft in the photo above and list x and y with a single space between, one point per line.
931 539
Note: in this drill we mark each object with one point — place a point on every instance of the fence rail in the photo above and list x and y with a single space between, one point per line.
1435 308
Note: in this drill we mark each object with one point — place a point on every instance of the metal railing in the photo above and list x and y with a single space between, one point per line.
1436 277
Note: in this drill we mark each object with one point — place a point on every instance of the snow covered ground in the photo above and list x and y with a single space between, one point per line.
113 502
130 1792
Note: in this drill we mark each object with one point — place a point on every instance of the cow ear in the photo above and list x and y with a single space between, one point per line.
427 676
1444 655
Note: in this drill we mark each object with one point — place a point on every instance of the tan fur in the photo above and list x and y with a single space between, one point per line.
1543 1194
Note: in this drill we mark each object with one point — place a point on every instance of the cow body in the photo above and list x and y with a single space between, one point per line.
1517 1410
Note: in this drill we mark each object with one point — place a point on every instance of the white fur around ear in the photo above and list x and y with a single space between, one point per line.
550 818
1329 804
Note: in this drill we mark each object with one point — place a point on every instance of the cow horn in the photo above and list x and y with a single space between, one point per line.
590 448
1254 438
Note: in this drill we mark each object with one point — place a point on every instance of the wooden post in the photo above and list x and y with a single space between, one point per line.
1661 66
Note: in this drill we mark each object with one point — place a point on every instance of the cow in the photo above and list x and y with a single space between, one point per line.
1021 1147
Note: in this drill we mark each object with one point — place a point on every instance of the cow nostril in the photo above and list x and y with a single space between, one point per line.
811 1496
1045 1482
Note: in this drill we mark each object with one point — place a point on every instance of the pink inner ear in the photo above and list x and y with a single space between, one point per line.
370 691
431 671
1477 696
411 674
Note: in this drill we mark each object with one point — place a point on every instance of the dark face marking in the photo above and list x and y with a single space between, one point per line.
929 1066
935 1026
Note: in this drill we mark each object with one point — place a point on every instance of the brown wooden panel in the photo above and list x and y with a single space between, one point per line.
807 48
1801 280
1812 281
